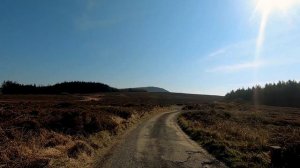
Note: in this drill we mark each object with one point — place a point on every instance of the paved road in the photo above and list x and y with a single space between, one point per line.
159 143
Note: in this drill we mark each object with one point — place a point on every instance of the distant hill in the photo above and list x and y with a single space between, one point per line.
9 87
152 89
132 90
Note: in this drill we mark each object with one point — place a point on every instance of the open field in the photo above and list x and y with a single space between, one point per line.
240 135
71 130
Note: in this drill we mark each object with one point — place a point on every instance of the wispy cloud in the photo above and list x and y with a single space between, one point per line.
236 67
233 50
254 65
217 52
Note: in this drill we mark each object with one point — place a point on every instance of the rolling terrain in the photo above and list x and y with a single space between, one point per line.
74 130
143 129
153 89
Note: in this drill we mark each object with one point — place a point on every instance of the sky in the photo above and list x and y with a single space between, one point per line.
190 46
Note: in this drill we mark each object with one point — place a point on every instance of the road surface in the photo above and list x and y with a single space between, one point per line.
158 143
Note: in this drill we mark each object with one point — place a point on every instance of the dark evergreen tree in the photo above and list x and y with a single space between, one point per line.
280 94
9 87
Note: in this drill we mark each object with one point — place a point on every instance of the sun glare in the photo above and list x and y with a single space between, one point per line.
268 6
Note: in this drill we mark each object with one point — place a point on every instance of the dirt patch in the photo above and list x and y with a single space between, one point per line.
91 98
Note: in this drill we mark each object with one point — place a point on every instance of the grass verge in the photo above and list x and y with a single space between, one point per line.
240 135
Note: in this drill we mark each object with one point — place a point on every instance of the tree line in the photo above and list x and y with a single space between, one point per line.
274 94
9 87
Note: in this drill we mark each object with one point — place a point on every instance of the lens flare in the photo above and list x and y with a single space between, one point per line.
266 8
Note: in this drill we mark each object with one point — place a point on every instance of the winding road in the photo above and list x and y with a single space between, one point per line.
159 143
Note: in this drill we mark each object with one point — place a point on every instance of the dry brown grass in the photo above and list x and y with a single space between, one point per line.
240 135
64 131
37 133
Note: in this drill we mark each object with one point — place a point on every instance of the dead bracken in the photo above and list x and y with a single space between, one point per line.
240 135
36 131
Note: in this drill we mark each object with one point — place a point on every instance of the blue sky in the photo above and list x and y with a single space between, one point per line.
192 46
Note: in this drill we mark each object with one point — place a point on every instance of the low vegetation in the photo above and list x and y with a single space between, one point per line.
55 133
70 130
283 94
241 135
